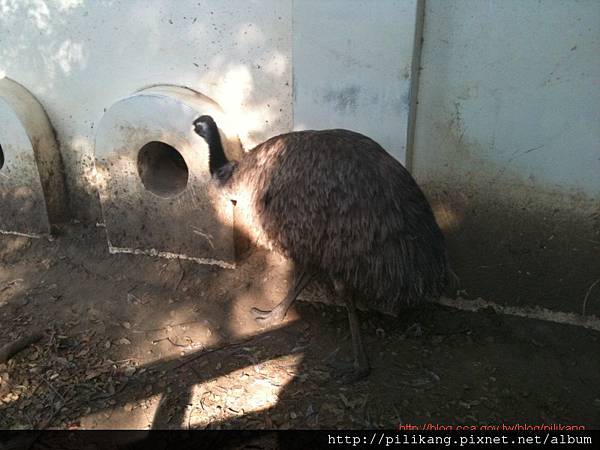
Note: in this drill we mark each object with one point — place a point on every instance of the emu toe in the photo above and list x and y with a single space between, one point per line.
267 318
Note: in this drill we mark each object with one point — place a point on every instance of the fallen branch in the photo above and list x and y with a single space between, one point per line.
10 350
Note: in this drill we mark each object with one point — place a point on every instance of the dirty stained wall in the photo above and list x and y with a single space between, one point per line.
81 56
506 136
507 146
354 67
78 57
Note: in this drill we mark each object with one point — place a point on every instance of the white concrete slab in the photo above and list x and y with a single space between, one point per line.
31 179
353 67
153 178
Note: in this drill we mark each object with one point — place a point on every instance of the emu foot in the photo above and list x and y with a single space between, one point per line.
348 373
267 318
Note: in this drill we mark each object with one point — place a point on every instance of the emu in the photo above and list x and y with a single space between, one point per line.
336 204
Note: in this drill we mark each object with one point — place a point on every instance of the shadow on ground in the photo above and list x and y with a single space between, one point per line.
137 342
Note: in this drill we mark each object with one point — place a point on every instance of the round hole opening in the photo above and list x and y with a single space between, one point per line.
1 157
162 169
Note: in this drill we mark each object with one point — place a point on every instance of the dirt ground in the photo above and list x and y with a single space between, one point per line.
140 342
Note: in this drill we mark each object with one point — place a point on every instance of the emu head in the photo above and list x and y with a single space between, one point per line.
203 127
206 128
221 169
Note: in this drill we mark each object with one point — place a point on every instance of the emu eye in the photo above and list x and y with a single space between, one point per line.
200 127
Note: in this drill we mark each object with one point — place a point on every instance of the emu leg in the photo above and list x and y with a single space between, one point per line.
361 366
277 314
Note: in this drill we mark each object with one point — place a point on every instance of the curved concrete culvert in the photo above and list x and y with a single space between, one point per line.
31 181
153 177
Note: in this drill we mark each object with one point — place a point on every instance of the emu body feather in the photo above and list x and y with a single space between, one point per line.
337 202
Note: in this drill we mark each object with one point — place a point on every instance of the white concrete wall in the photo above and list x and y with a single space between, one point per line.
511 87
507 145
80 56
353 67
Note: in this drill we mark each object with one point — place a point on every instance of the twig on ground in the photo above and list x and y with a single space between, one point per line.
10 284
587 295
156 341
182 275
196 356
107 396
10 350
151 330
54 390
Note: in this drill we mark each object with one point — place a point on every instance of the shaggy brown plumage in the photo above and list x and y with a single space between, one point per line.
335 202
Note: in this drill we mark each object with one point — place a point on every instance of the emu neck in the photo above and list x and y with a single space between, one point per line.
216 153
